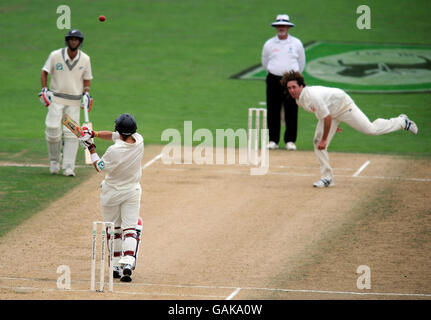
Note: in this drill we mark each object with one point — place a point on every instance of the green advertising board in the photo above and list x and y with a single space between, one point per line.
359 67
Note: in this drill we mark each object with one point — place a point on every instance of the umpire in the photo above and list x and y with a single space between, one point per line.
280 54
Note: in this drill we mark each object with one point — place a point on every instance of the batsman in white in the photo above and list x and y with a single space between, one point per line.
120 190
70 72
332 106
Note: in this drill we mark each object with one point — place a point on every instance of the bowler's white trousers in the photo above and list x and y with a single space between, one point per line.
355 118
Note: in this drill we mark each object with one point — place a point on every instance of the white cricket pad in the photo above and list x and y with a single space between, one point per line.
70 150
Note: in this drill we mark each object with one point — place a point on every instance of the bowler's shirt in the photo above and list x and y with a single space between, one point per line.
122 162
324 101
281 56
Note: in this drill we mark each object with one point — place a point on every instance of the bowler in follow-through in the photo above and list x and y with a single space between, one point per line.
332 106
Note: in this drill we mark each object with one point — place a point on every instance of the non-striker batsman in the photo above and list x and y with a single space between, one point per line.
70 74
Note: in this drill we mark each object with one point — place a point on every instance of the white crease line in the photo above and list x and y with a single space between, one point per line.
286 173
313 168
279 289
233 294
245 172
345 292
169 294
394 178
220 287
149 163
34 289
348 176
361 168
32 165
176 285
134 283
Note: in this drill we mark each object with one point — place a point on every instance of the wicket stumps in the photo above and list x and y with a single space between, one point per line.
107 227
253 136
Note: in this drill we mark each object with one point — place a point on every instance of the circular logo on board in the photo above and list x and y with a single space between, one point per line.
394 69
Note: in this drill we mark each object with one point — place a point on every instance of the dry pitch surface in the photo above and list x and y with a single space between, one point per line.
216 232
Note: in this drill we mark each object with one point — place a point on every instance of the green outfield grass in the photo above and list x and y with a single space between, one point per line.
171 61
25 191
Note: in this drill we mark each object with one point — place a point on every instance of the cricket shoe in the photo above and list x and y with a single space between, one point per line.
290 146
272 145
117 272
127 273
324 183
68 172
409 124
54 167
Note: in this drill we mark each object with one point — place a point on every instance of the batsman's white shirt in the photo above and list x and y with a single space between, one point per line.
123 168
280 56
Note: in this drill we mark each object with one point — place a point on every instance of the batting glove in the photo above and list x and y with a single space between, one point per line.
87 134
45 96
86 101
92 147
87 145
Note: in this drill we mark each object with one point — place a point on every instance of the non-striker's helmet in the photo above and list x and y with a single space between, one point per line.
74 33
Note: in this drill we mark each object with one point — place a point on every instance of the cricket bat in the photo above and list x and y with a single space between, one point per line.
89 125
69 123
74 127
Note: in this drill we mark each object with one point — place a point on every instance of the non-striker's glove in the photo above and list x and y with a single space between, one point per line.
45 96
86 101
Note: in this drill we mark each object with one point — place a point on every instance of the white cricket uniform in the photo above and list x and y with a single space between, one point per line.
324 101
121 193
67 84
280 56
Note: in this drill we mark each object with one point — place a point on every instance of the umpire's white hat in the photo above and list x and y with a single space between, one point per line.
282 20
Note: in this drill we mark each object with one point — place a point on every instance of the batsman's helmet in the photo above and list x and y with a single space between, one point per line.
74 33
125 124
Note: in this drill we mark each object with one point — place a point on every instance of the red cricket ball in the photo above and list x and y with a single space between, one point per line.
102 18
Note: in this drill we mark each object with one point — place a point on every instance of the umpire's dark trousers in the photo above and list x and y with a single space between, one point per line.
275 99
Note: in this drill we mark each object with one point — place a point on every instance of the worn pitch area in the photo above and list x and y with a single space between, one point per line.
217 232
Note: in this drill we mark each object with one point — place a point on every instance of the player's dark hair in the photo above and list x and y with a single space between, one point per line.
292 76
